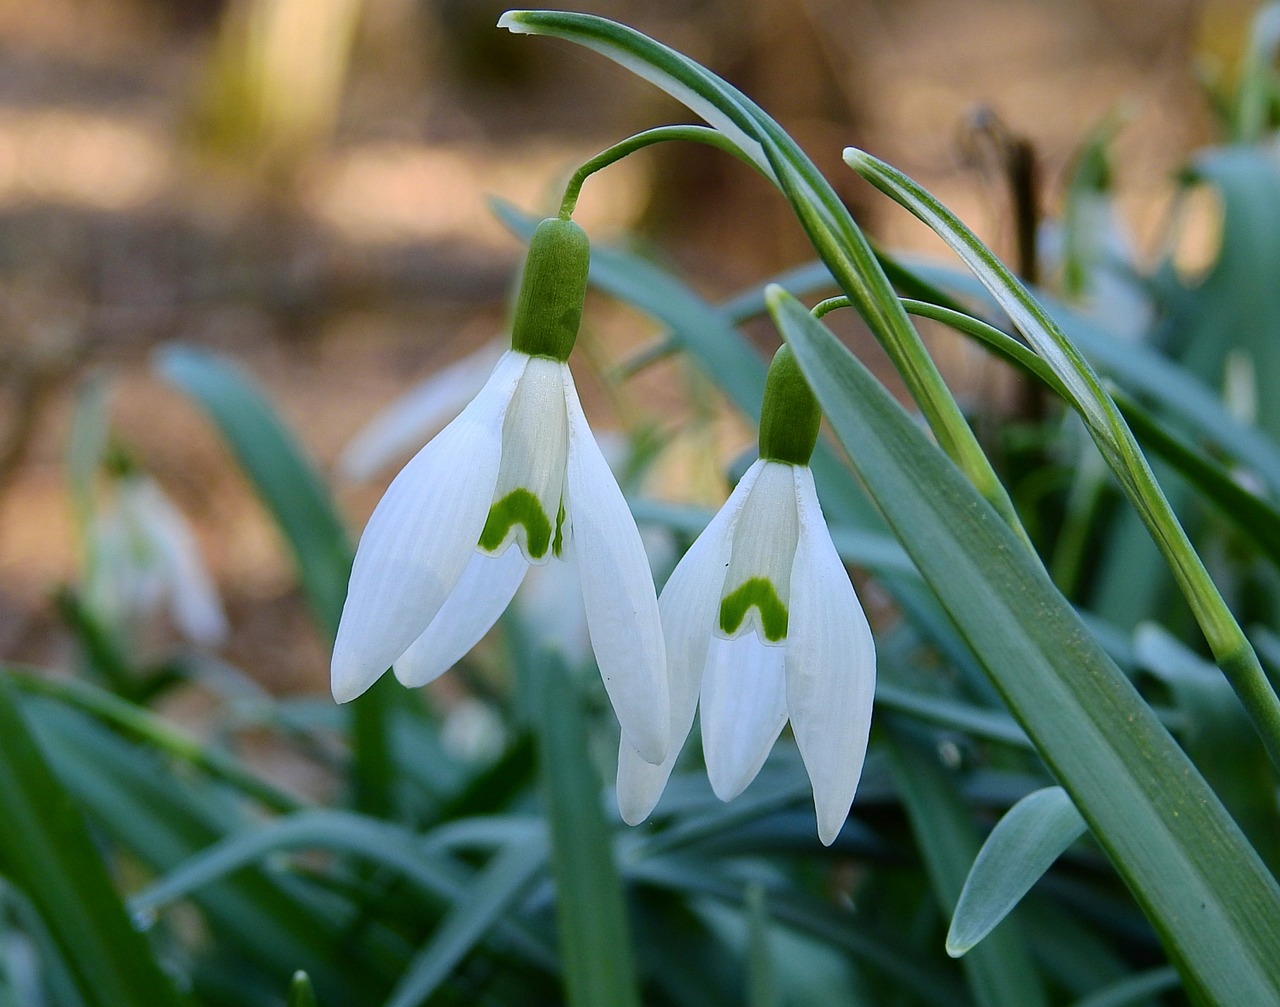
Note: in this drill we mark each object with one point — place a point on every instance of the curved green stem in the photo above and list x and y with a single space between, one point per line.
660 134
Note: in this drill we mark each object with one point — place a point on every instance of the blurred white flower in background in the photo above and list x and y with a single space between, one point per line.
144 561
403 427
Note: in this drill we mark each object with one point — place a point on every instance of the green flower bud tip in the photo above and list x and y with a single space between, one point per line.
552 290
790 417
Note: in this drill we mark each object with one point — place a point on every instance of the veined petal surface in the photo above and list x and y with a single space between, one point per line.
617 591
744 708
757 588
830 666
530 487
482 594
689 606
420 537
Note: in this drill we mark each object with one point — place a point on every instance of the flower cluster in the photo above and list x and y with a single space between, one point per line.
758 623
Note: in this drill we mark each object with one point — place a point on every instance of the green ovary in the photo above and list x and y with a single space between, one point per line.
518 507
760 592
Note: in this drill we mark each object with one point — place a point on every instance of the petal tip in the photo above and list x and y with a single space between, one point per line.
349 681
651 746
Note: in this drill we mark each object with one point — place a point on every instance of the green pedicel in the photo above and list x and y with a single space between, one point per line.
552 291
519 507
760 592
789 416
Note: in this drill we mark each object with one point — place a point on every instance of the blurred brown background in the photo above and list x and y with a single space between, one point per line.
302 184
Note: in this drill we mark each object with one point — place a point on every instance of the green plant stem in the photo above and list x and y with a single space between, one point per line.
659 134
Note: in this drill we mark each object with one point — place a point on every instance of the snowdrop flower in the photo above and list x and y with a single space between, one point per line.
144 558
763 625
517 478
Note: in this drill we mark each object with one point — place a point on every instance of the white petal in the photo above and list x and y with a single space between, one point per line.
420 537
689 606
617 591
483 592
744 707
398 430
831 667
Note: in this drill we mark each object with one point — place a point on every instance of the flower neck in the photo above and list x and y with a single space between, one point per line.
552 291
789 416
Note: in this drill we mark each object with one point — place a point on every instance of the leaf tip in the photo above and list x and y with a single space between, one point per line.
510 20
856 158
956 947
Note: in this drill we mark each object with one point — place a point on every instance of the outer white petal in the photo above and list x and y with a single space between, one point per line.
744 708
830 669
617 590
420 537
411 419
689 606
483 592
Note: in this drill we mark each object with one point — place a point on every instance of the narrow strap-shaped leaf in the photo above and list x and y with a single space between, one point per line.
1023 845
503 880
595 938
46 851
1000 972
300 992
277 469
1206 892
296 497
1107 427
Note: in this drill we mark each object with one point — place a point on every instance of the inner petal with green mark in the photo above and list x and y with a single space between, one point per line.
527 502
757 585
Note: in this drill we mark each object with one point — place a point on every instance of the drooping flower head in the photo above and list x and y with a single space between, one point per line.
517 478
762 625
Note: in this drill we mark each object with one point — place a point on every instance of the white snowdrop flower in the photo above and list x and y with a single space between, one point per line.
145 558
400 429
762 625
516 479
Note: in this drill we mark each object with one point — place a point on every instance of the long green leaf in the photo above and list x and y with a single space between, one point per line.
1115 441
274 463
162 820
1023 845
595 939
1202 886
503 881
45 849
296 497
1000 972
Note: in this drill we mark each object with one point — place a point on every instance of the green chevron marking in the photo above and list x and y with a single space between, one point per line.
518 507
760 592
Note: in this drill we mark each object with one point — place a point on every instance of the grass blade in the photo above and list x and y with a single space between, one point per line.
595 939
45 849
